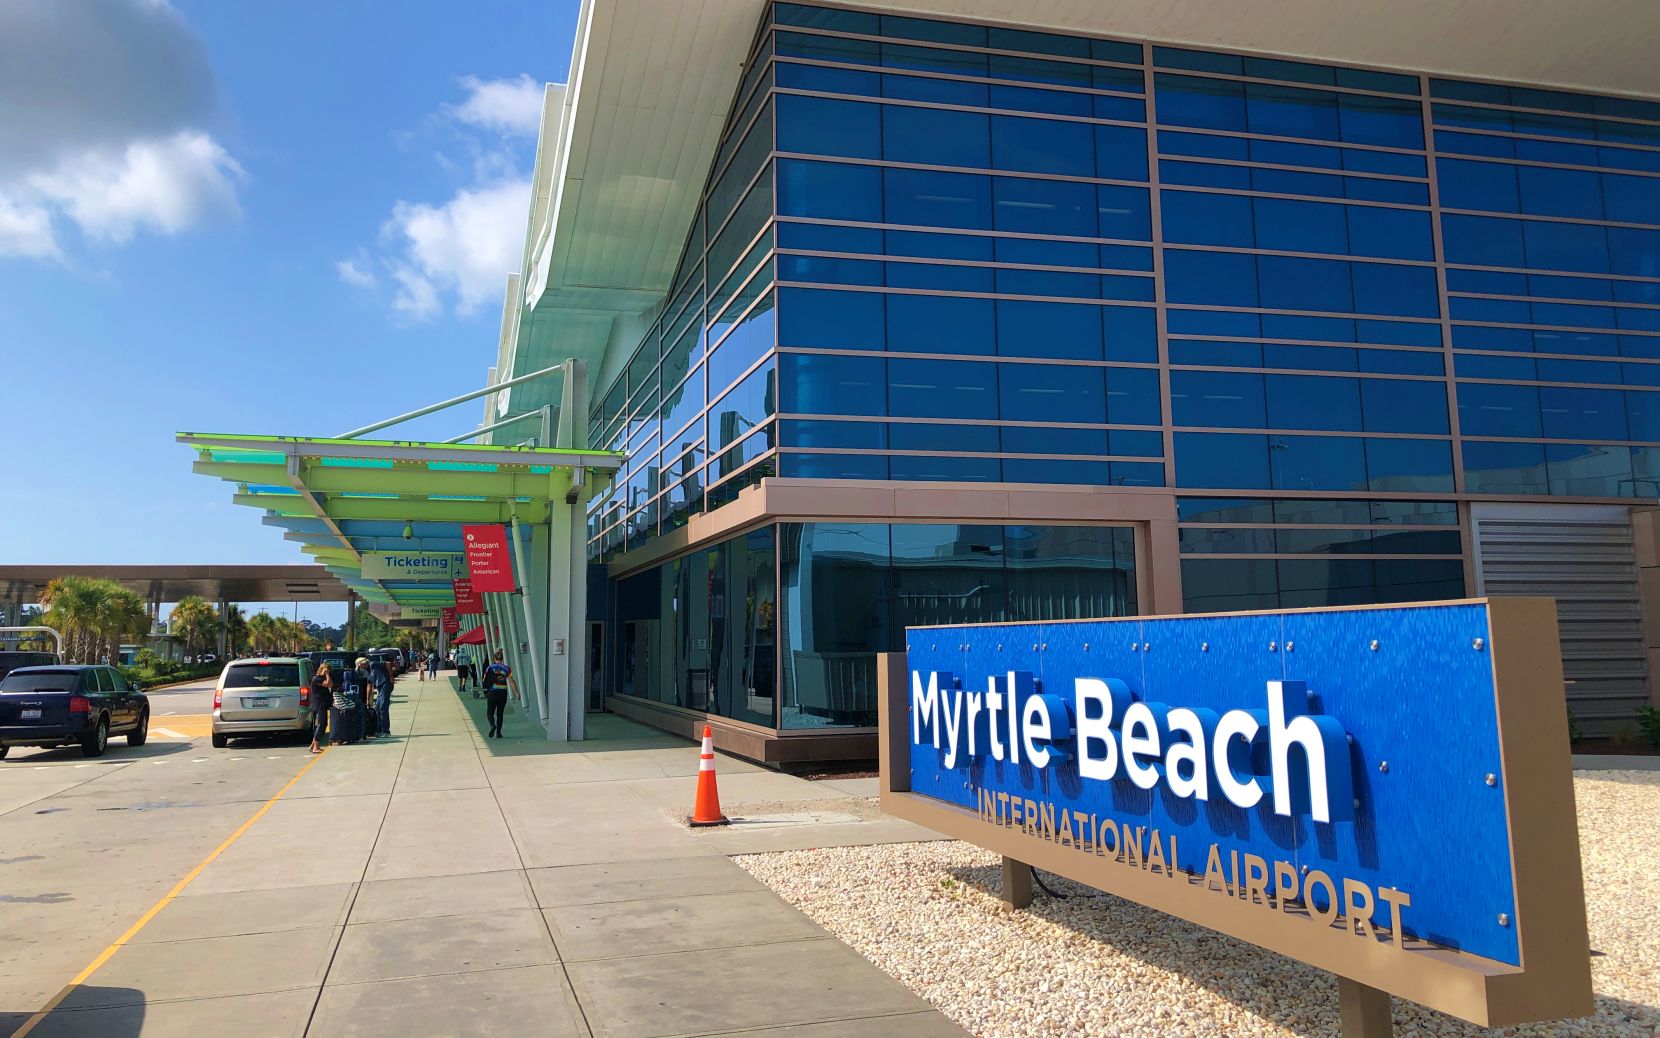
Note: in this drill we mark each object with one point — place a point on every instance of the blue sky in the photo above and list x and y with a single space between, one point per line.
244 217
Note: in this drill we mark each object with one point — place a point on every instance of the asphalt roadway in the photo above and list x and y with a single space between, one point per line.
436 883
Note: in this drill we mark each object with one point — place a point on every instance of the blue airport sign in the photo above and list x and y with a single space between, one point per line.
1343 772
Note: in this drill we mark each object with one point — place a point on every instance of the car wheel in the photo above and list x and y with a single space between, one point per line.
95 744
220 741
3 751
138 735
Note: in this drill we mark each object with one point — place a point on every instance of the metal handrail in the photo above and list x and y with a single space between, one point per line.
36 629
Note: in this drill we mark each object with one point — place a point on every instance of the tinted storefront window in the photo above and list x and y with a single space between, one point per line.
849 591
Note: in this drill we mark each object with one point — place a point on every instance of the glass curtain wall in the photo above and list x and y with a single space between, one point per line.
849 590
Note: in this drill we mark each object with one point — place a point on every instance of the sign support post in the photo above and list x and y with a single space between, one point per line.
1017 883
1364 1010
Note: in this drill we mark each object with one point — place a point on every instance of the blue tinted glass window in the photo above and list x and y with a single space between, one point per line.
1225 585
1483 241
942 91
831 190
1300 226
826 48
1394 405
1052 393
1046 470
816 383
1047 251
1565 246
937 468
823 126
826 18
1386 288
1491 410
1291 112
1139 443
1214 278
1133 396
1204 145
1121 152
829 270
1505 468
1313 402
833 466
943 437
1196 174
1633 251
1225 400
930 30
941 278
933 59
1380 120
1028 440
746 406
1631 199
1317 462
1130 333
1588 470
1401 191
1560 192
1042 146
935 136
1060 330
941 324
1122 213
822 317
742 346
1044 206
1038 42
829 238
931 198
942 389
829 80
1225 461
1196 218
846 435
1390 233
1643 411
1304 284
941 246
1211 104
1409 466
1582 414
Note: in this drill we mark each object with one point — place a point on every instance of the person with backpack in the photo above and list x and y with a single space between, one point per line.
498 677
463 668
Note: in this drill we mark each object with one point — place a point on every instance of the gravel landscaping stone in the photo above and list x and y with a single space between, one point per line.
928 914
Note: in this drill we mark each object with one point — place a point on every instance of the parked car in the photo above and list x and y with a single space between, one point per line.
63 705
393 658
11 659
261 696
207 657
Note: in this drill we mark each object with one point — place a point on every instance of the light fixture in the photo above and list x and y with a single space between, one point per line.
408 531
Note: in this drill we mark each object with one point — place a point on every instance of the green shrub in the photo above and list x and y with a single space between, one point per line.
1574 734
1648 721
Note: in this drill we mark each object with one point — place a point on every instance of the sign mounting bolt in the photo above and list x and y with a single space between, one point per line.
1273 646
1374 645
1146 645
1290 646
1504 918
1204 646
1478 645
1491 779
1383 766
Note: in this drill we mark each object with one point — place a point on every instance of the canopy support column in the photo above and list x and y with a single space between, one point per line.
539 690
567 560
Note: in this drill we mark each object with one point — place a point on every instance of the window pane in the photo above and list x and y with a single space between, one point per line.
942 389
1317 462
941 324
1313 402
1409 466
820 384
1042 146
1225 461
830 190
836 586
1504 468
1217 399
1227 585
1052 330
936 137
824 126
825 317
936 199
1395 405
1053 393
1044 207
1495 410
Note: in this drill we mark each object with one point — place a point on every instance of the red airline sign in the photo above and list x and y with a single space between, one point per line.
466 602
487 561
451 623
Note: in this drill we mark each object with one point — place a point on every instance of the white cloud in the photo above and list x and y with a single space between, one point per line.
464 247
356 276
512 107
26 230
105 101
167 185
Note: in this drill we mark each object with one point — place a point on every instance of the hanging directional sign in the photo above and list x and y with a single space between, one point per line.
466 600
487 560
1383 792
410 565
451 623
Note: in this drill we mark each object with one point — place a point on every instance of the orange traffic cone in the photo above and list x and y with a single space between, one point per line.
706 811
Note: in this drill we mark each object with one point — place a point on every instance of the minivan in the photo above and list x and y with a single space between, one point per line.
262 696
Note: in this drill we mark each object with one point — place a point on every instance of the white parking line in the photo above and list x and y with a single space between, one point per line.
170 733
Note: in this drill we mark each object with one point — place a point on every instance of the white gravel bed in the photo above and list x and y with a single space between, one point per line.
928 915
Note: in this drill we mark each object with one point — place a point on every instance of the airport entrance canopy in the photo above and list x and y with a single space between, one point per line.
340 498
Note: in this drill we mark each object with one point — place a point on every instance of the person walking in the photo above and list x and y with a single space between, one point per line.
432 664
498 676
322 698
420 666
463 668
380 676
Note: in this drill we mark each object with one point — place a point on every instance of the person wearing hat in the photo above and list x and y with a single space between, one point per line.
366 685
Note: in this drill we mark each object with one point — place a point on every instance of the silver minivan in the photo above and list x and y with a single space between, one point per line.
263 695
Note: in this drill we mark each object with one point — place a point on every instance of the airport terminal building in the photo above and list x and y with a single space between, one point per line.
967 310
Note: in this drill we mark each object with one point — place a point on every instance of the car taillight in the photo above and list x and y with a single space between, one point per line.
80 705
218 696
305 696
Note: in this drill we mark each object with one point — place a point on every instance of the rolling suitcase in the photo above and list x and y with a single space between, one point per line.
351 724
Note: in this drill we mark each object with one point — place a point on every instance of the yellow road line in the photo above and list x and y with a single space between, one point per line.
144 920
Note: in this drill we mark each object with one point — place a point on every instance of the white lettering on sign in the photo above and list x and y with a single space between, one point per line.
1300 758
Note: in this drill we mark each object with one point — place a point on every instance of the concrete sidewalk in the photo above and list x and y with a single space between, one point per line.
441 883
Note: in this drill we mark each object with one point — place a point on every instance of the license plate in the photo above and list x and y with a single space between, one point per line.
31 715
251 703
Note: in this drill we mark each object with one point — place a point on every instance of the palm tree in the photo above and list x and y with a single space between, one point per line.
262 632
194 620
236 628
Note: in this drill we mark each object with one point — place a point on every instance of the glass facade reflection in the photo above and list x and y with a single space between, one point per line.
932 251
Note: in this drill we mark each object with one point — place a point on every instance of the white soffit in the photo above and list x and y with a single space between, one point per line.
652 80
